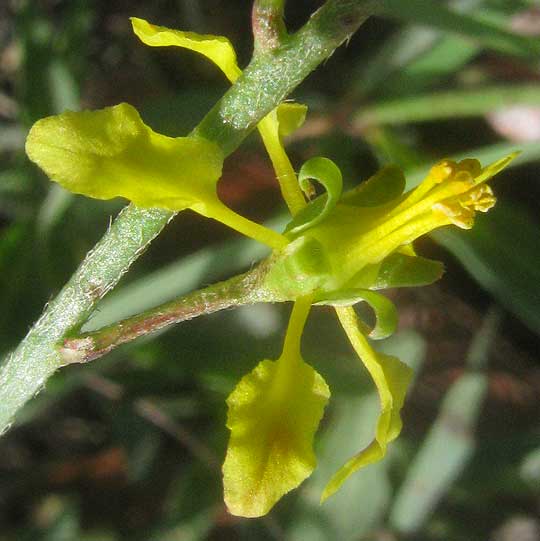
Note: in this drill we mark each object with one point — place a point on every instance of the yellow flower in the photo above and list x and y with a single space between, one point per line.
339 253
337 250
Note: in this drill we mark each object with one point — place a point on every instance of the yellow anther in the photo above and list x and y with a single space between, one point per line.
463 176
441 171
480 199
471 165
461 210
458 215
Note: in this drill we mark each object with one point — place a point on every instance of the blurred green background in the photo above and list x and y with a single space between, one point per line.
130 447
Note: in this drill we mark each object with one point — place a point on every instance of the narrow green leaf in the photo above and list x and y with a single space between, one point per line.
447 56
450 442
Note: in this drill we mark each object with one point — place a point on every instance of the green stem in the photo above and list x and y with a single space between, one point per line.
268 27
271 77
236 291
264 84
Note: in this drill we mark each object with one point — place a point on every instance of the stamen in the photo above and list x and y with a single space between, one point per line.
461 210
437 174
471 165
372 252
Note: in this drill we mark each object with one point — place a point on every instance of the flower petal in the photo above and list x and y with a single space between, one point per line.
216 48
273 415
111 152
290 117
272 419
391 377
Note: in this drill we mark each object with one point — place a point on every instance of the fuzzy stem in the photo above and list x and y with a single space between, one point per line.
264 84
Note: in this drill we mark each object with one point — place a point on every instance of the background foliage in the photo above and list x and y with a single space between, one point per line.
130 447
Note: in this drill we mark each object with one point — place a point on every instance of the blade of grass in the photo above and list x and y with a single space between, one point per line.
502 254
416 57
443 105
450 442
433 13
442 60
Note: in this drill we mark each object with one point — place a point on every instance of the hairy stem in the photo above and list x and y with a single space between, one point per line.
269 78
264 84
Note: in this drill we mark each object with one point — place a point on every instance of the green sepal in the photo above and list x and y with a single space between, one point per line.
381 188
327 173
299 269
386 315
398 270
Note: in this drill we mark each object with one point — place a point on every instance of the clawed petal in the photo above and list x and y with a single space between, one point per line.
391 377
111 152
273 415
272 424
218 49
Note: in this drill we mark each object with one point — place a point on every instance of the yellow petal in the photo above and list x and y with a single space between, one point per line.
111 152
273 415
391 377
272 422
282 121
216 48
290 117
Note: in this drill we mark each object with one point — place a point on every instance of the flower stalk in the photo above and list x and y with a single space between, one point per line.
268 27
237 291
